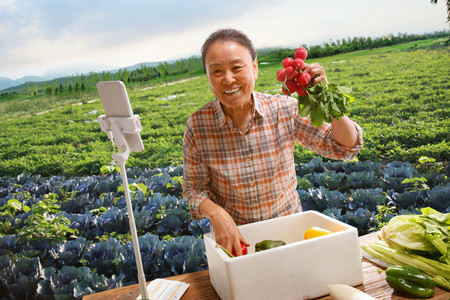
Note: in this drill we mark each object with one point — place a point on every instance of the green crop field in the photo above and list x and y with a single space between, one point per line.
402 104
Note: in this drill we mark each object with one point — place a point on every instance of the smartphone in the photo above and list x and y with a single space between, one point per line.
114 97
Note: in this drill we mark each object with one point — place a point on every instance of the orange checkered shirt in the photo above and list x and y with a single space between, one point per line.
252 175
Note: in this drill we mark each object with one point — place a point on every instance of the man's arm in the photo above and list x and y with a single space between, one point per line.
344 132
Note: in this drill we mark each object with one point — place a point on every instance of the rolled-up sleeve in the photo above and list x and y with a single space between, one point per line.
195 175
344 152
320 140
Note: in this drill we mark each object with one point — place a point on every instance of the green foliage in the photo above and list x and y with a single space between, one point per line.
45 224
99 211
418 183
122 237
429 165
384 213
325 101
11 209
134 187
104 170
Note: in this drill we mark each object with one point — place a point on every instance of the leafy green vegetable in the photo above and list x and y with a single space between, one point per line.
428 233
325 101
421 241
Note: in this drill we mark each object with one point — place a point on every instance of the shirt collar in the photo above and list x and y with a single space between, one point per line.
259 108
221 118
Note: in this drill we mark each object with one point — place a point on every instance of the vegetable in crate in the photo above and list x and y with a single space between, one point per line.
315 232
410 280
243 250
268 244
321 101
233 254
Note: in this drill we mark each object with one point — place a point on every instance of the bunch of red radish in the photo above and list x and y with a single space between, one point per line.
293 76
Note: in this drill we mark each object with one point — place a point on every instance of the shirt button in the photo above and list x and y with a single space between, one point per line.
248 161
252 183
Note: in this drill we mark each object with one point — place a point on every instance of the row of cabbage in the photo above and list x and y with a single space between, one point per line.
170 241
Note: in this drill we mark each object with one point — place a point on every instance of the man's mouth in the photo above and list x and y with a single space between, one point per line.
235 90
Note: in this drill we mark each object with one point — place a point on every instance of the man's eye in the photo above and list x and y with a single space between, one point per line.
217 71
237 68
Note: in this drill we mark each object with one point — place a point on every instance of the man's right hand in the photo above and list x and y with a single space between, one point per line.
225 229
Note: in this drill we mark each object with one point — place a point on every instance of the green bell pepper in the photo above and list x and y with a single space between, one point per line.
268 244
410 280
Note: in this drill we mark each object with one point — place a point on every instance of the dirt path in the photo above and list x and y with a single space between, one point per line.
170 83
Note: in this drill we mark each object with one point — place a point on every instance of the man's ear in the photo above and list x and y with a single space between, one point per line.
255 69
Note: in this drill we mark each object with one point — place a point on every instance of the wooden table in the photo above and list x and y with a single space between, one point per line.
200 288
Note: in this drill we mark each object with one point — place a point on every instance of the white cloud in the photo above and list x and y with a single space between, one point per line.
39 35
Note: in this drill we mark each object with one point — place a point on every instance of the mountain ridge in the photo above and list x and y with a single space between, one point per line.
8 84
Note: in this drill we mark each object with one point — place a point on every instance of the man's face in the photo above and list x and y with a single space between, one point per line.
231 73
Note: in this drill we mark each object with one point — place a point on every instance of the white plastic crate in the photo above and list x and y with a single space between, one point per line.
302 269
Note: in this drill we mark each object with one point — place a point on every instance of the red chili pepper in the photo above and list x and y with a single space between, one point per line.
243 250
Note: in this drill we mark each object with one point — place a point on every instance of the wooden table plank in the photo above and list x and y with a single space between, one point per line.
200 288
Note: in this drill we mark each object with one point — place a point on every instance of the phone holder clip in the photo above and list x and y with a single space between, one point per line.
116 128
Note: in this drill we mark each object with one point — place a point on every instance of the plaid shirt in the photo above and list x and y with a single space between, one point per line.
252 175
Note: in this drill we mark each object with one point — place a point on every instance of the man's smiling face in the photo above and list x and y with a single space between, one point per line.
231 73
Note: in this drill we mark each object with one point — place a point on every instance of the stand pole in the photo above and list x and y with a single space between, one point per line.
134 237
120 158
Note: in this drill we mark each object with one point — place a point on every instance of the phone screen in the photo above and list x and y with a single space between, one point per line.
114 98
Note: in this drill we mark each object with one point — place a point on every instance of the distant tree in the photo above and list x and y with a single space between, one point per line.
54 85
35 88
125 76
28 89
162 70
448 8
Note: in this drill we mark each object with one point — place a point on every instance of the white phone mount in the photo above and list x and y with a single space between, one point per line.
117 129
123 128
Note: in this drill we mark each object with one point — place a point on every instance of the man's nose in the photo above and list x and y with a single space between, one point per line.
229 77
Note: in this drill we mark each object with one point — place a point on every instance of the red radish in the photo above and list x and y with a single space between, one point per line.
291 85
287 62
290 72
303 78
301 53
281 75
301 91
300 64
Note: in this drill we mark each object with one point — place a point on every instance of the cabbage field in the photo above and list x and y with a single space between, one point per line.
63 221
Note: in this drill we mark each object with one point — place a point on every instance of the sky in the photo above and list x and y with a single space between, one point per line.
43 37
